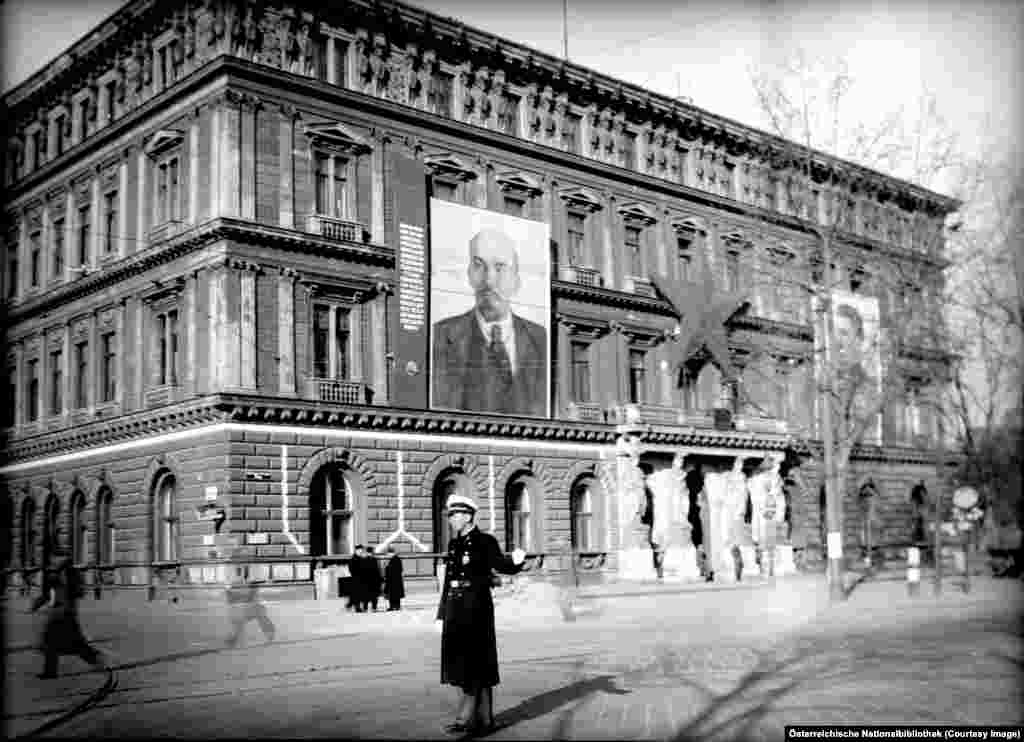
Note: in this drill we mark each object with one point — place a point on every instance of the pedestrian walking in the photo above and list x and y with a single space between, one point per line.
393 583
374 579
244 606
469 651
62 633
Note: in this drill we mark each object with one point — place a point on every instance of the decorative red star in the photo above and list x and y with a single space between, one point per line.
702 312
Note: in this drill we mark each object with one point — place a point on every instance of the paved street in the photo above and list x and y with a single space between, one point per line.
701 664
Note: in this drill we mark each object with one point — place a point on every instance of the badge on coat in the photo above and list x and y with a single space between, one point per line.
465 558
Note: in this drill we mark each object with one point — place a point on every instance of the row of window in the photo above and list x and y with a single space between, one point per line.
104 530
82 389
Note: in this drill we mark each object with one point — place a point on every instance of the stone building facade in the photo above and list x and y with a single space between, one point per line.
206 288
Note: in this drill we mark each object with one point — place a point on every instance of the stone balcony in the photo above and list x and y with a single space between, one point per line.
333 228
339 391
580 275
638 285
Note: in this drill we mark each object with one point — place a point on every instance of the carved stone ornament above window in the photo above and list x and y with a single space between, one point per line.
448 165
687 225
519 184
162 141
164 291
80 329
638 214
579 326
580 199
337 139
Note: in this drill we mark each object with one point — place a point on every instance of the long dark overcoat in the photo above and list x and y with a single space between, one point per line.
469 650
62 631
393 583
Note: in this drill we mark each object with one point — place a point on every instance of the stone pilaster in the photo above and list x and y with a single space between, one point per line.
332 68
217 329
356 341
377 185
611 280
286 212
193 170
247 322
96 238
122 209
563 365
215 164
190 360
665 238
249 110
19 376
379 366
120 347
141 202
69 233
230 157
286 331
66 380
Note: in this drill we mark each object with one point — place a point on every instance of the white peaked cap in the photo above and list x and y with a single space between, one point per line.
461 502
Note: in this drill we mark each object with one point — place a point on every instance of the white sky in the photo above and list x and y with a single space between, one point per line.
969 54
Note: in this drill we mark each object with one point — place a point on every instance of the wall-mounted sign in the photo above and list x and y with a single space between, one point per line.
211 493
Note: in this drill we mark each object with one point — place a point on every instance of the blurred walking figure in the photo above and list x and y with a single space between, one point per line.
393 583
244 606
62 634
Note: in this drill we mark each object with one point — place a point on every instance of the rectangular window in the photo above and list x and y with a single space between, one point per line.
732 271
81 375
164 65
331 184
570 132
575 234
58 248
637 375
37 149
513 206
177 59
444 190
508 114
321 175
168 191
633 251
167 343
56 382
580 372
340 62
108 367
110 100
684 249
35 256
110 221
58 135
331 335
84 234
629 150
442 94
32 391
10 398
13 266
83 117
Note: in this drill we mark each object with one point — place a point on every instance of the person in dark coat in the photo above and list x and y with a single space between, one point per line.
469 651
393 583
374 579
358 582
63 632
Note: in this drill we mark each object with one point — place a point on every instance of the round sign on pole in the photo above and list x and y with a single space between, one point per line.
965 498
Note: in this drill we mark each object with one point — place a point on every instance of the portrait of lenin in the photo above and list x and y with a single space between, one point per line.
490 359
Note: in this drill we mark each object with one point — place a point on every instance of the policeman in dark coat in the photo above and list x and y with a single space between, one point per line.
469 651
374 579
358 589
393 583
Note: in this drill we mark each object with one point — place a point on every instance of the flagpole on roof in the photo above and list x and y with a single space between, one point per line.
565 30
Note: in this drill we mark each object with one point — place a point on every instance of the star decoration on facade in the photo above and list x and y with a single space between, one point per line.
703 312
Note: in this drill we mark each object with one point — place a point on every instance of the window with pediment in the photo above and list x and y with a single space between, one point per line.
55 364
108 366
165 152
35 257
580 206
332 339
636 220
336 152
60 125
689 239
518 191
163 313
80 369
571 132
33 389
449 175
57 234
10 394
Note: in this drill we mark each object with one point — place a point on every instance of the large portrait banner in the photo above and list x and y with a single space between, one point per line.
490 302
857 359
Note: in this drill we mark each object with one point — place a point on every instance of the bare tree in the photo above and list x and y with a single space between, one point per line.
805 103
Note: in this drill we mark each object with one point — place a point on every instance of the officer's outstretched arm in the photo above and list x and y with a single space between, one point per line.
500 562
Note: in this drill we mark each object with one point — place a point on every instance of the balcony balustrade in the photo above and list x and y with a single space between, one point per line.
590 412
580 275
333 228
637 285
339 391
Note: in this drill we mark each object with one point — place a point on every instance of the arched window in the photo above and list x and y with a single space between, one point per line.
78 528
519 528
449 482
28 533
581 507
166 530
105 526
332 512
51 522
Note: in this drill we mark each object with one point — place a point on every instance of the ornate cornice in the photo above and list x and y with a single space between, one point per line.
214 230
